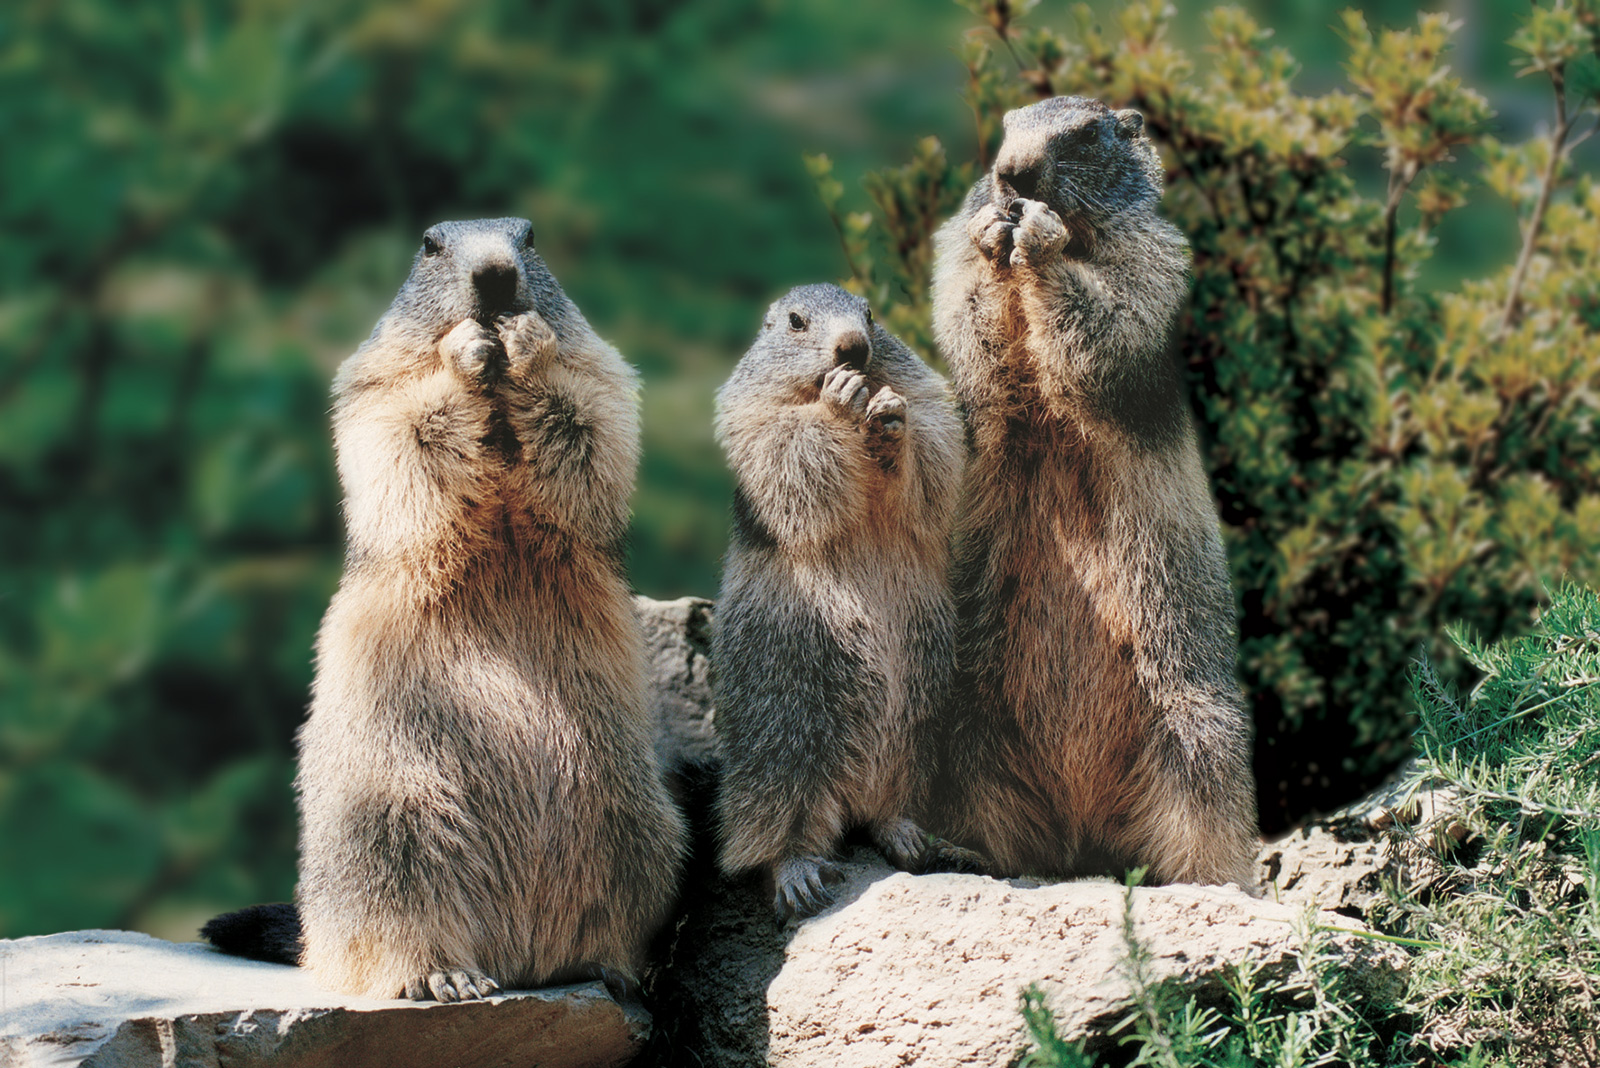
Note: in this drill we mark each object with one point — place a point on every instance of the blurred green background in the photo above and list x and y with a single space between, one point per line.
206 206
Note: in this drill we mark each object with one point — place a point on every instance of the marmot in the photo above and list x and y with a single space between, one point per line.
834 638
480 801
1096 720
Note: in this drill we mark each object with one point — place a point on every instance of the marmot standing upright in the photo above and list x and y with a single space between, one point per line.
480 801
1096 721
835 628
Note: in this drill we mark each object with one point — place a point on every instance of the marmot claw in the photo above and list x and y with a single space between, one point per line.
474 352
886 425
802 887
887 412
451 984
1040 235
529 341
845 389
992 231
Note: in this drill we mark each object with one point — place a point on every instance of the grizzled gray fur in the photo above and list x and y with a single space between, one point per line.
1096 722
834 638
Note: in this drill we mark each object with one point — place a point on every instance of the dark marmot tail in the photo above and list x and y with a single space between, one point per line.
1096 720
835 627
260 932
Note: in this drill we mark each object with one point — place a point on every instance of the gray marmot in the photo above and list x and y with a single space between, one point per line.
480 801
834 639
1096 721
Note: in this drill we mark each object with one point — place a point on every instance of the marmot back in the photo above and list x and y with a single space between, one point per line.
480 801
835 626
1096 720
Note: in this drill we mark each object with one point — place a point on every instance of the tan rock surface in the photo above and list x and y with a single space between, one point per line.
115 999
928 970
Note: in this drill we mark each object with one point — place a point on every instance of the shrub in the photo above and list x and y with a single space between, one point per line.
1510 917
1387 455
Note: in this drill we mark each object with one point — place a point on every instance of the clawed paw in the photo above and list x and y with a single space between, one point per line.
530 342
991 230
451 984
474 352
845 390
886 413
802 887
1040 234
939 855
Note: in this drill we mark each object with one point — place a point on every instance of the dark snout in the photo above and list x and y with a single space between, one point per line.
495 283
852 349
1021 176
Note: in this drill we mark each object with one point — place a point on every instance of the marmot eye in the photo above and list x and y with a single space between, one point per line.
795 322
430 245
527 240
1077 140
869 318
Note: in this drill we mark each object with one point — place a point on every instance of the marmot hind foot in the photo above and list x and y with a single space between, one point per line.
801 887
912 849
451 984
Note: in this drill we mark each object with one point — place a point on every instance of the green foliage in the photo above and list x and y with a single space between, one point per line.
1388 454
1509 894
1307 1017
206 207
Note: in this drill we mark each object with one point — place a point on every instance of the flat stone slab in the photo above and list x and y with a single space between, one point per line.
928 970
116 999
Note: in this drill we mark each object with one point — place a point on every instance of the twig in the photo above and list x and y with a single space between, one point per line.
1391 210
1035 76
1530 236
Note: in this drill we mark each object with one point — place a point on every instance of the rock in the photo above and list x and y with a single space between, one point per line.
677 641
929 969
125 1000
1339 862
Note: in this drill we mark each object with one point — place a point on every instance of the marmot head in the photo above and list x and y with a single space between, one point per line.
805 334
482 269
1079 157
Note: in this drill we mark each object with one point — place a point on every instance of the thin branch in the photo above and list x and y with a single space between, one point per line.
1391 211
1530 236
1035 76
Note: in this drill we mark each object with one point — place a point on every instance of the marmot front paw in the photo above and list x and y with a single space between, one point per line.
474 352
1040 234
529 341
886 423
991 230
886 413
844 389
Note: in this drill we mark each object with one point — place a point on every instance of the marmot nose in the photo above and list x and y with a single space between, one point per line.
496 284
854 349
1024 181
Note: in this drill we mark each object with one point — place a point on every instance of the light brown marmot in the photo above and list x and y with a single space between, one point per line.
480 802
834 637
1096 722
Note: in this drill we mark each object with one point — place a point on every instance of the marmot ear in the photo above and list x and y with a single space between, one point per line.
1129 123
